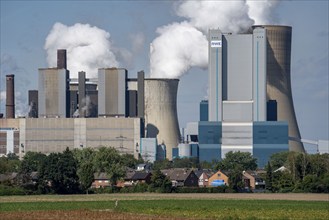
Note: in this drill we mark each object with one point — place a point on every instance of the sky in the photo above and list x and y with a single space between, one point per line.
30 31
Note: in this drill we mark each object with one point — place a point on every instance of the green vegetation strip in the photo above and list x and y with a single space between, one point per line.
213 209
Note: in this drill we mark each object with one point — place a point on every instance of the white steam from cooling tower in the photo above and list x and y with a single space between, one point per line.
183 45
88 48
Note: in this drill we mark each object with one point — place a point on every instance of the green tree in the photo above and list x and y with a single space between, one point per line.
278 160
162 164
85 166
9 163
237 161
86 175
186 162
110 161
269 177
60 170
160 182
31 163
235 179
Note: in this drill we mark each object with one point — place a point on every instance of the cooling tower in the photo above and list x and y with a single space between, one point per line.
161 120
10 96
279 80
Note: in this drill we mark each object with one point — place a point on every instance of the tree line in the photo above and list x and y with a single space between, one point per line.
72 171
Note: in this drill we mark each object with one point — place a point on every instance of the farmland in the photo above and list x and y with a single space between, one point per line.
173 206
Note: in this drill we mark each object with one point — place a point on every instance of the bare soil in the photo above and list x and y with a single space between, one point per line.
77 215
181 196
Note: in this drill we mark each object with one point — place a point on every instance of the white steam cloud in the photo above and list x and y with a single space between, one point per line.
181 46
88 48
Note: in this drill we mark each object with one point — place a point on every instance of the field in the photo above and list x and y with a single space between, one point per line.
166 206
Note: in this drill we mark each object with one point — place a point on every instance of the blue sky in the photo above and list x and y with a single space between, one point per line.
26 24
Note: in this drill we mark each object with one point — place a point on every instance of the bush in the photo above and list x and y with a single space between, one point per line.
11 190
220 189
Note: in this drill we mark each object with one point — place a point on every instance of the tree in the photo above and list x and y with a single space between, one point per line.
237 161
269 177
162 164
186 162
31 163
85 167
60 170
160 182
278 160
235 179
86 175
9 163
110 161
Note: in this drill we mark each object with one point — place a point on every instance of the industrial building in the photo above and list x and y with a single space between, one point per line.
249 108
134 115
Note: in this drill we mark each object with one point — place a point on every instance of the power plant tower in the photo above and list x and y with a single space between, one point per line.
53 89
112 92
161 119
279 80
10 96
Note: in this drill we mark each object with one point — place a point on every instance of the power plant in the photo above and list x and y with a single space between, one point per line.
279 80
161 112
250 106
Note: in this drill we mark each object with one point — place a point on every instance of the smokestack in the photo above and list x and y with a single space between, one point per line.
10 96
278 78
61 59
161 112
82 94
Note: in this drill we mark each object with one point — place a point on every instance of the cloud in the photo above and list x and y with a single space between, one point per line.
88 48
22 81
262 12
181 46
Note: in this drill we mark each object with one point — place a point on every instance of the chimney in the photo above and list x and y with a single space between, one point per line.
61 59
10 96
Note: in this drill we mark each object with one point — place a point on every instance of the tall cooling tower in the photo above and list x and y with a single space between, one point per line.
279 80
161 112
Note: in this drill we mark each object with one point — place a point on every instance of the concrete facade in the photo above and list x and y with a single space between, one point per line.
53 95
279 80
47 135
112 92
161 119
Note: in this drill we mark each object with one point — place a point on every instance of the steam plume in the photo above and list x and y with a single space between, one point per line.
88 48
181 46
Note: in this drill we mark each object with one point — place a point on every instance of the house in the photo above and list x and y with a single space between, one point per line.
219 178
8 177
203 176
100 180
143 167
253 181
138 177
181 177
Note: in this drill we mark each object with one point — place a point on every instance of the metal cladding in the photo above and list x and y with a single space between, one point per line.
10 96
279 80
161 120
61 59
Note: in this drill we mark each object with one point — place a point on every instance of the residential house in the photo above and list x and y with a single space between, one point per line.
219 178
203 176
253 181
138 177
181 177
100 180
143 167
8 177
